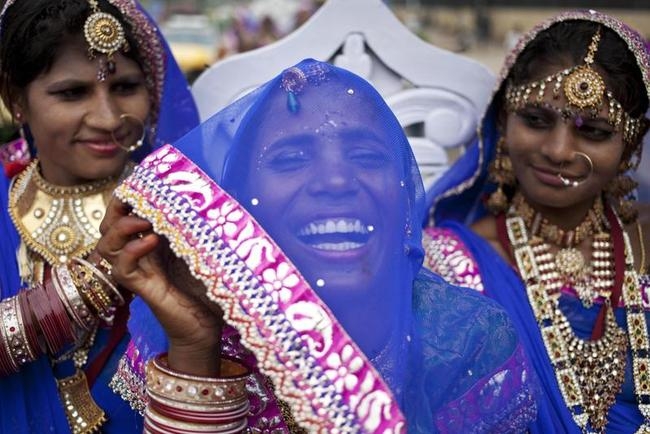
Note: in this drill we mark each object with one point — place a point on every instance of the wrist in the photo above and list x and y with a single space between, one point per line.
202 361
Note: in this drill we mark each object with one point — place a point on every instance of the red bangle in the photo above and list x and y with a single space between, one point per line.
40 306
61 319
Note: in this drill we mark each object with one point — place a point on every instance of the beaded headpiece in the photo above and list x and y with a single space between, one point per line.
147 38
104 35
294 80
585 91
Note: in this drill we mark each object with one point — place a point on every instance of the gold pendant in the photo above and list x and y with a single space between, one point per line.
83 413
570 263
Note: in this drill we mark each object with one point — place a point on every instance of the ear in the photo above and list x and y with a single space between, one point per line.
18 111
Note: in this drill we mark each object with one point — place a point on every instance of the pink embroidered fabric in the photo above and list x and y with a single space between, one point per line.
446 255
315 367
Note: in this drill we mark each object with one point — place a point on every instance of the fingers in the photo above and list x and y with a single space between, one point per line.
114 211
119 230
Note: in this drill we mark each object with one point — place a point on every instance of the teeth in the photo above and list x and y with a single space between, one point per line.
338 246
332 226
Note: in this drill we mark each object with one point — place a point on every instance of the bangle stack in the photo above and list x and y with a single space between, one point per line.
50 317
181 403
96 288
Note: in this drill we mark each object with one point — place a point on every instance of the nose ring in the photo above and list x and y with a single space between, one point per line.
124 117
576 182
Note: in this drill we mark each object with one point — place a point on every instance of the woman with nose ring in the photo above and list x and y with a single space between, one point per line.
539 215
90 85
294 216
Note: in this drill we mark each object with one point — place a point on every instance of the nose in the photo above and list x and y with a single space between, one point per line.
560 146
335 178
103 112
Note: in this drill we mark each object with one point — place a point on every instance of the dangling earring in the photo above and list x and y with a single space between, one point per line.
500 172
620 189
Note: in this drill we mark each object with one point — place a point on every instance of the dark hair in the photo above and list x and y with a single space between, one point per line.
568 41
33 33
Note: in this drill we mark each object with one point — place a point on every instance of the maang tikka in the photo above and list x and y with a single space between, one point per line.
586 94
105 36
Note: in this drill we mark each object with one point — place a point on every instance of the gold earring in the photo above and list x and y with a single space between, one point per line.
501 173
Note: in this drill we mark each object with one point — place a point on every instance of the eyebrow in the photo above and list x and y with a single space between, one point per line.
292 140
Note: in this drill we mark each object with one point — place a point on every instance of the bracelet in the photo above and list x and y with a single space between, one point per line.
77 308
185 403
92 290
61 319
155 423
102 270
9 359
31 329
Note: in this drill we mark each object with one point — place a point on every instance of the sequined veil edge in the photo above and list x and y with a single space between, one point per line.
231 254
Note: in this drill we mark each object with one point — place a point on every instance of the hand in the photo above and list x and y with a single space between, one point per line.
140 259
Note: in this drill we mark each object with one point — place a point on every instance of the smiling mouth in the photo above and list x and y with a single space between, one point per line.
336 234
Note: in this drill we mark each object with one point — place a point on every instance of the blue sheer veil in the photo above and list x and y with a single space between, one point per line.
30 399
321 162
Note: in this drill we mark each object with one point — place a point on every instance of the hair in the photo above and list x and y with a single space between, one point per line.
33 33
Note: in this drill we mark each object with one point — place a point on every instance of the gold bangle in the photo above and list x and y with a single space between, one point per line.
99 273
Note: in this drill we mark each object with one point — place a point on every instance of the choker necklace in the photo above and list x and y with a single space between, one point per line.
589 372
568 268
54 222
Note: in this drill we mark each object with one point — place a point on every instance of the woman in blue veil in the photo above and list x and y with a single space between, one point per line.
296 211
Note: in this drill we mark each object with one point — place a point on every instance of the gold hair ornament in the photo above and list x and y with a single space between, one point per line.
104 35
585 92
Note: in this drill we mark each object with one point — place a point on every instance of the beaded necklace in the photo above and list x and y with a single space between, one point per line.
589 372
568 268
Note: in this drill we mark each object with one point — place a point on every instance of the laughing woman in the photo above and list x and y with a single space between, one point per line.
314 255
551 232
89 82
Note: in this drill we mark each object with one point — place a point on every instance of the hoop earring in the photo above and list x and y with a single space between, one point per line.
575 183
138 143
500 172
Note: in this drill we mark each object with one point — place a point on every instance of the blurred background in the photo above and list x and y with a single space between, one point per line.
204 31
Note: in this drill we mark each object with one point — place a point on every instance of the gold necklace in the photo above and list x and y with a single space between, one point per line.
589 373
593 222
56 222
570 269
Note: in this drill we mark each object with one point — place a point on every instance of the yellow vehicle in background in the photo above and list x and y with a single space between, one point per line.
193 41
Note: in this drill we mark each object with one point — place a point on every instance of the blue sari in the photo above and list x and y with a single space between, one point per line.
457 200
503 284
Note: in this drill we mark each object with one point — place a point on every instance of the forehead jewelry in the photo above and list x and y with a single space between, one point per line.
105 36
585 92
